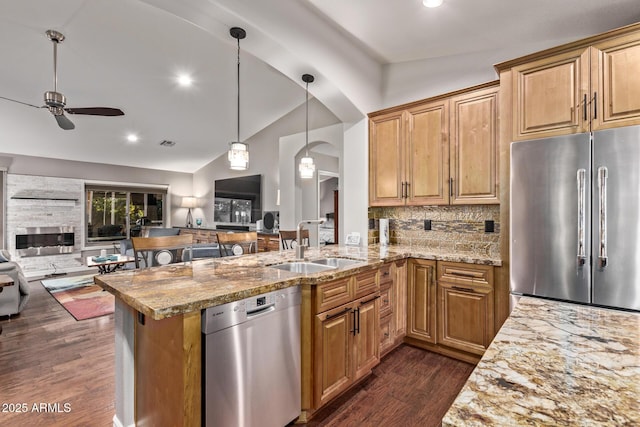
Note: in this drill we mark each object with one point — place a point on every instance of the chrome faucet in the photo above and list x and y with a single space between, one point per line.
300 247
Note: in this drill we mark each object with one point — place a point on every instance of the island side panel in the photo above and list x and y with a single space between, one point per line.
168 371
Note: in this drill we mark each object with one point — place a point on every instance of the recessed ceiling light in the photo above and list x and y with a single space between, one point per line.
132 137
185 80
432 3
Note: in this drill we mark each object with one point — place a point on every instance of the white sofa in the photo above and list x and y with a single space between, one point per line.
13 298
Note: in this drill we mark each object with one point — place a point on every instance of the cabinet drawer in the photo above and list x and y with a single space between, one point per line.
332 294
457 272
386 299
366 283
385 274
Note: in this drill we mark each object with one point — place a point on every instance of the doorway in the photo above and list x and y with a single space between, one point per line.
328 207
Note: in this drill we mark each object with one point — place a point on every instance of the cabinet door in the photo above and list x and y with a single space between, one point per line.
333 369
386 164
465 316
366 339
474 152
549 96
421 301
615 86
428 154
399 272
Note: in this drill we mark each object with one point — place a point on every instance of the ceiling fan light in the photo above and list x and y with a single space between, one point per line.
306 168
238 156
432 3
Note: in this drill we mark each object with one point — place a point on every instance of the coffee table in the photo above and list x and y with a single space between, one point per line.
110 264
5 281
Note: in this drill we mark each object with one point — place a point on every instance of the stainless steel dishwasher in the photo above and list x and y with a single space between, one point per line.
251 361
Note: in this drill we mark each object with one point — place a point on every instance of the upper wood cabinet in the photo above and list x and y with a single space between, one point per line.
474 152
580 90
386 159
427 154
615 82
436 152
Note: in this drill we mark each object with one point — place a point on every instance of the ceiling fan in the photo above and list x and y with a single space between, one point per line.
56 102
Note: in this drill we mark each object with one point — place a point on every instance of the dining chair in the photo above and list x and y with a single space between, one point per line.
288 238
162 250
238 243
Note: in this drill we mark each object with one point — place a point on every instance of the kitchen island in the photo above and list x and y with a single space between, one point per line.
556 363
158 319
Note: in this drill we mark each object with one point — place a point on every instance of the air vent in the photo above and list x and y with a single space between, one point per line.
167 143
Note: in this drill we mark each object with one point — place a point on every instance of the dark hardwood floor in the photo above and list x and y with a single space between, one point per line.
47 357
410 387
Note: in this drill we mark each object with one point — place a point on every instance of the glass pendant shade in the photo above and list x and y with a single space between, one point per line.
238 156
306 168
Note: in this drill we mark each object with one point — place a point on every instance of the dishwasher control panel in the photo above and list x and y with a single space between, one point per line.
234 313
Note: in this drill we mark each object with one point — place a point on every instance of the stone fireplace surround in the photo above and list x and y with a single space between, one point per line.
45 209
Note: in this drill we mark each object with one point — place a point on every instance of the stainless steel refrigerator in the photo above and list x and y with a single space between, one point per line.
575 218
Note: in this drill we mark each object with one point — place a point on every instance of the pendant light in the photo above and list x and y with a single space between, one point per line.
238 154
307 168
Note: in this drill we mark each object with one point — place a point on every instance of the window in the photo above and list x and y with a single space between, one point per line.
117 213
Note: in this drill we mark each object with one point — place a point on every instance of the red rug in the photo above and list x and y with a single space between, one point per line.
80 296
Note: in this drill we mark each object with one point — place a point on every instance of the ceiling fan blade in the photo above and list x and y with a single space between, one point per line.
64 122
23 103
95 111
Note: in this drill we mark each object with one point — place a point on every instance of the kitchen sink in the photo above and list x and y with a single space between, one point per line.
303 267
336 262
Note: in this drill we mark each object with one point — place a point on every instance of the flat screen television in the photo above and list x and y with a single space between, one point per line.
238 200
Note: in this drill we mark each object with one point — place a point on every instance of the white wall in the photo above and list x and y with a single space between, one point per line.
354 182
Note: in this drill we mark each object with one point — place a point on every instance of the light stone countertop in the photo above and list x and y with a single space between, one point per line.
556 363
166 291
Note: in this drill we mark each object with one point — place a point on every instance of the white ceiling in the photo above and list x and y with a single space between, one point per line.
127 53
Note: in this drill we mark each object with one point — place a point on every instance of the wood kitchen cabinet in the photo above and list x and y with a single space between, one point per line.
421 300
340 326
438 151
393 305
347 346
386 159
465 306
615 86
474 148
587 88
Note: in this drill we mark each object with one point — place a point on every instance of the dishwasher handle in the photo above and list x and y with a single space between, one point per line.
262 310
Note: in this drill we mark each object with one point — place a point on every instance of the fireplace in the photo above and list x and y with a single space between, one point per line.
39 241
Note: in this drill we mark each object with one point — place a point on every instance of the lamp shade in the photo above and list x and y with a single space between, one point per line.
238 156
189 202
306 168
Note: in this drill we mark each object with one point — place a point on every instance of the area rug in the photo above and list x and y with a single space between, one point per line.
80 296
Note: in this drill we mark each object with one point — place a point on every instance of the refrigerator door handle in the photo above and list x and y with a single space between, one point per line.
582 202
602 211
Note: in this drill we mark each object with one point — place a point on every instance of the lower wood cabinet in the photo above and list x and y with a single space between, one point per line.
421 296
465 306
450 310
347 346
340 337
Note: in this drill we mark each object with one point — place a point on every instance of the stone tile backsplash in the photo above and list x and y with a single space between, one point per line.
453 228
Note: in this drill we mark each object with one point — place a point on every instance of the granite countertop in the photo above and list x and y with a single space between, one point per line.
555 363
166 291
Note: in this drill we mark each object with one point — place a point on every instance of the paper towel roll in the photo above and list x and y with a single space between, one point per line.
384 231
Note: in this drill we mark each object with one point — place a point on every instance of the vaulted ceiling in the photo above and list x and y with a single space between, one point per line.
128 54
